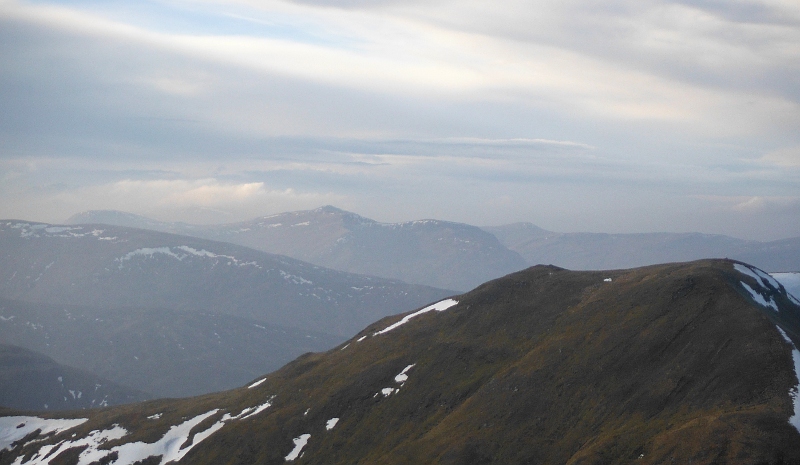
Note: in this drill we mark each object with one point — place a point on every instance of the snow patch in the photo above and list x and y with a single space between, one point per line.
256 383
794 420
169 447
258 409
762 278
759 299
149 252
400 379
331 423
438 306
186 252
58 229
90 454
13 429
206 253
294 278
403 377
299 443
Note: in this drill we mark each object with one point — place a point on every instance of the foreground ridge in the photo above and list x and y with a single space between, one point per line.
669 363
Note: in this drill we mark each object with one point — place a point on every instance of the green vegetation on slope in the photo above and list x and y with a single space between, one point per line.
672 363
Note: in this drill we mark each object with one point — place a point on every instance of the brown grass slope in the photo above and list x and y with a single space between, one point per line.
665 364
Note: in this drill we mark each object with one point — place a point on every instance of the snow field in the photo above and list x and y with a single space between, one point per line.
13 429
170 447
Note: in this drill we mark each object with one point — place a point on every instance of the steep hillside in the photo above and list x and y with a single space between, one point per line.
431 252
116 267
681 363
168 353
32 381
597 251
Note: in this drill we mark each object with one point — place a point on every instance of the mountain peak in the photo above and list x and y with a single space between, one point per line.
330 209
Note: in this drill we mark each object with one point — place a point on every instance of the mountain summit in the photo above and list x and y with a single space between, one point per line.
679 363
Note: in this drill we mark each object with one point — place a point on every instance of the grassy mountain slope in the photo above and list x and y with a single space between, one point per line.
32 381
431 252
679 363
592 251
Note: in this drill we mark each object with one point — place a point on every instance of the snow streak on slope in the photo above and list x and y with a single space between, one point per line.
766 284
759 299
438 306
794 420
183 252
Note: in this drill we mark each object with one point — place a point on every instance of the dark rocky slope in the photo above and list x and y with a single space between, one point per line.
679 363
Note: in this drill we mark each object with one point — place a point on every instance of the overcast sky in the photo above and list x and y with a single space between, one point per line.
575 115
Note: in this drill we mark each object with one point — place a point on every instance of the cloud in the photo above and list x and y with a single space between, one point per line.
468 52
787 157
605 112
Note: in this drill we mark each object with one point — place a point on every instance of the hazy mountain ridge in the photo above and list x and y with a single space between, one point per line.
542 366
343 240
430 252
169 353
113 267
32 381
598 251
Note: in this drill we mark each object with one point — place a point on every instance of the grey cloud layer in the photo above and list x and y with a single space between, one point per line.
573 114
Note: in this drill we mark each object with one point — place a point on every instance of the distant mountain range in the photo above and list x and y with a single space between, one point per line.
116 267
459 256
430 252
598 251
680 363
175 315
32 381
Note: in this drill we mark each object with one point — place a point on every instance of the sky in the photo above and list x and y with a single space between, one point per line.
575 115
